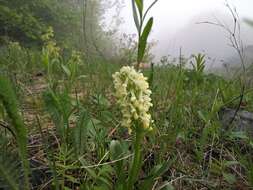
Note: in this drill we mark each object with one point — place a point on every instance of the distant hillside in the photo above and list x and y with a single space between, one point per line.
210 39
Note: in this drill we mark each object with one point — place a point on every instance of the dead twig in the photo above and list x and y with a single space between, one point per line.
236 43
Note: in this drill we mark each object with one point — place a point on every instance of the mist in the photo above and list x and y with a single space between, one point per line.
176 25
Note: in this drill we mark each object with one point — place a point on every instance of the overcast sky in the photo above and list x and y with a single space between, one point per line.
175 13
174 18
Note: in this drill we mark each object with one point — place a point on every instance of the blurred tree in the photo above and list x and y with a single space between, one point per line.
25 20
249 21
76 23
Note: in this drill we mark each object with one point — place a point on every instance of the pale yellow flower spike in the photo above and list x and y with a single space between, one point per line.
133 94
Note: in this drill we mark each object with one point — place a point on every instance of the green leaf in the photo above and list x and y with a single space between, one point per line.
105 171
135 15
231 163
66 70
115 150
229 178
9 101
82 77
8 177
202 116
168 186
161 169
143 39
105 182
139 4
100 187
239 135
156 172
251 144
71 178
91 172
80 132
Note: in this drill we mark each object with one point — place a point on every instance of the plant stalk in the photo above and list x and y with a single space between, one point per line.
136 165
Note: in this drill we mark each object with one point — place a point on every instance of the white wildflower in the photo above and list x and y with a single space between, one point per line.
133 94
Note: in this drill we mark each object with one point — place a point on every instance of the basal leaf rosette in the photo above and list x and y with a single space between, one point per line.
133 96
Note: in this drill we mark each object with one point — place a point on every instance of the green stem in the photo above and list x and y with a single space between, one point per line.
136 165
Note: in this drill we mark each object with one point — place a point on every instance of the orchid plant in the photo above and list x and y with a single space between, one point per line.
133 96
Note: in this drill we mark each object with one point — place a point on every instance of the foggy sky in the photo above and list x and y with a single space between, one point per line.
175 25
